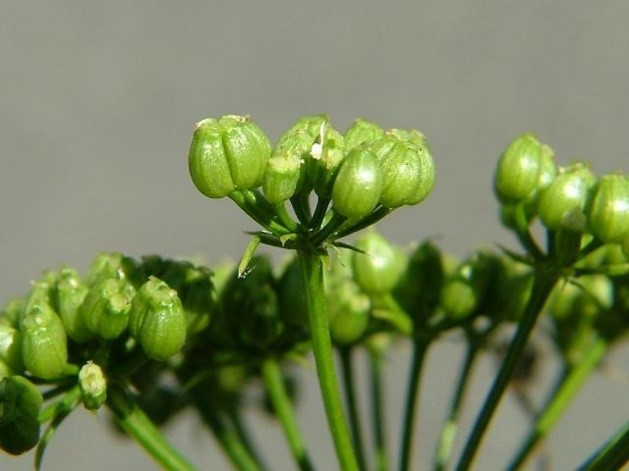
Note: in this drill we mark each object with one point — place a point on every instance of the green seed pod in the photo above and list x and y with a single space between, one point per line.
348 310
362 131
42 292
13 311
325 160
608 213
358 185
105 309
562 204
11 348
518 172
157 320
196 292
228 154
464 291
377 270
418 290
114 265
69 294
44 343
281 178
93 386
406 166
20 403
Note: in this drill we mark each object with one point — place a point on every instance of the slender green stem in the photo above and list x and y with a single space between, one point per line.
542 286
133 420
319 213
274 381
377 411
312 272
242 432
347 368
614 453
333 224
301 206
246 202
367 221
285 217
560 401
524 234
420 347
450 427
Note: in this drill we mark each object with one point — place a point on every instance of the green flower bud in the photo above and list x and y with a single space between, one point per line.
377 270
69 294
362 131
464 291
105 309
228 154
157 320
406 166
11 348
348 310
93 386
562 203
20 402
358 185
608 213
518 172
44 343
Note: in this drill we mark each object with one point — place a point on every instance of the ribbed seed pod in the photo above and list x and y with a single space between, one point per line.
44 343
518 171
378 269
358 184
608 213
70 293
20 403
105 309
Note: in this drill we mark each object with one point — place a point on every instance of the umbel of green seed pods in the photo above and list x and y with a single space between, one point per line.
44 343
380 265
227 154
157 320
562 204
93 386
608 213
518 172
358 184
406 167
20 402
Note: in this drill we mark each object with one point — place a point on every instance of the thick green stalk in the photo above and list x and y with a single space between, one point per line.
347 367
312 272
542 286
377 411
560 401
274 382
420 346
445 445
133 420
614 454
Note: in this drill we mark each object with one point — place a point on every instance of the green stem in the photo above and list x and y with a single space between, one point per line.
242 432
285 217
449 430
347 368
312 272
614 454
420 346
301 206
377 411
560 401
319 213
133 420
542 286
274 381
326 231
246 202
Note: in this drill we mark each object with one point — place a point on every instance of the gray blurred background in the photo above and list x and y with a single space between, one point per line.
98 102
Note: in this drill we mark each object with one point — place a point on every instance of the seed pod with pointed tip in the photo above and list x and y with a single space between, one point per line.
105 309
93 386
518 172
378 269
608 213
157 320
562 204
358 184
281 178
44 342
20 403
227 154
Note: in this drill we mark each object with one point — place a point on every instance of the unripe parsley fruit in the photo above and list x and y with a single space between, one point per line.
44 343
358 184
378 269
608 213
157 320
518 171
93 386
228 154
